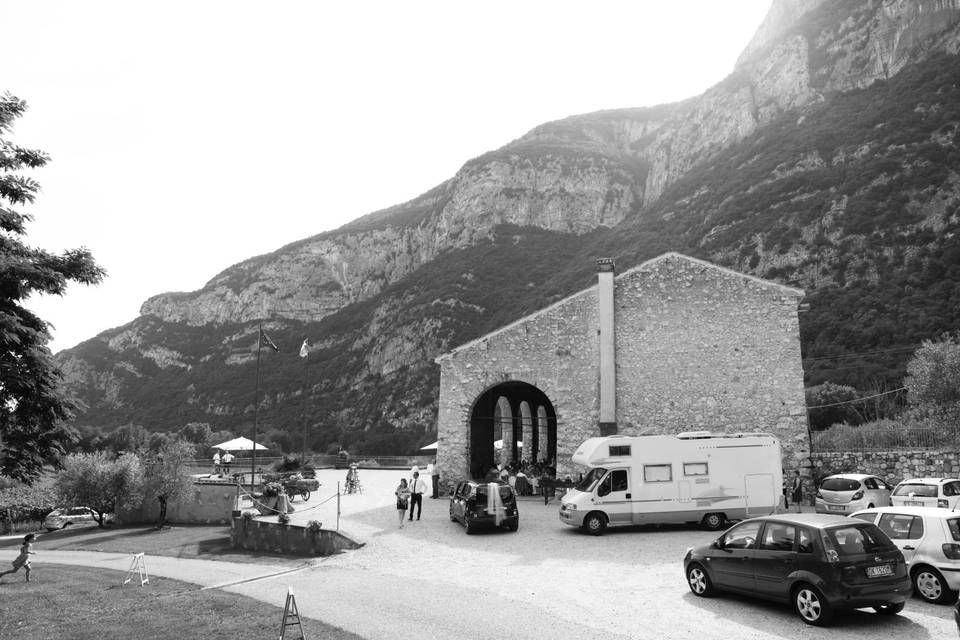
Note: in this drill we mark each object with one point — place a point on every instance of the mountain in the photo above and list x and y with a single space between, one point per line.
826 160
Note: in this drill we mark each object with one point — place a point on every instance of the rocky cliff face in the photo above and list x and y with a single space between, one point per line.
572 178
584 172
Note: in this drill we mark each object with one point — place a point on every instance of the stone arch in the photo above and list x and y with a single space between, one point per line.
505 410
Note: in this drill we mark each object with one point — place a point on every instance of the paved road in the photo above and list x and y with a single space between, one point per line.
431 580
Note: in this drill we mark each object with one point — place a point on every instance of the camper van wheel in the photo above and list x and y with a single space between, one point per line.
594 523
714 521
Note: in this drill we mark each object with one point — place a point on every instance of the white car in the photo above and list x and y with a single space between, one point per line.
930 541
927 492
63 518
845 493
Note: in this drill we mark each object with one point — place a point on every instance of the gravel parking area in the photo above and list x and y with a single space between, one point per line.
547 580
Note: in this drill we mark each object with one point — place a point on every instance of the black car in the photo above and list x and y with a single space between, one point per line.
817 563
473 504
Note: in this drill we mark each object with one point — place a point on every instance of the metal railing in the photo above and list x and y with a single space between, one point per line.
846 438
265 463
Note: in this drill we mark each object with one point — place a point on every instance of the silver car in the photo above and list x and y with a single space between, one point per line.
63 518
930 541
845 493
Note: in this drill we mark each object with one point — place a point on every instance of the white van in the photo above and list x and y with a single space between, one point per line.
689 477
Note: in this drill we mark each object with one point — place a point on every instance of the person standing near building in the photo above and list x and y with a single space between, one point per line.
418 487
797 490
225 461
216 462
435 476
403 495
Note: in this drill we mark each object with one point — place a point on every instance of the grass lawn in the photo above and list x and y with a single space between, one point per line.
84 603
209 542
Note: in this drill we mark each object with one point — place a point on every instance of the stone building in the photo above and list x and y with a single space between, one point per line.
675 344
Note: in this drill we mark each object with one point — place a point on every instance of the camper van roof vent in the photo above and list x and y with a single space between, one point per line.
693 435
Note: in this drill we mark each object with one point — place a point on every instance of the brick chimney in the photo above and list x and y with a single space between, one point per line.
608 348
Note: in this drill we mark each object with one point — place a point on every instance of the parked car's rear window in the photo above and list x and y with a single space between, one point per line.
505 491
954 524
855 539
840 484
920 490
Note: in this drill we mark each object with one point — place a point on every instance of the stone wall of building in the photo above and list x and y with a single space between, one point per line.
698 347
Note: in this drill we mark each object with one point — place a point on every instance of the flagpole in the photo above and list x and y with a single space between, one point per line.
303 411
256 410
304 353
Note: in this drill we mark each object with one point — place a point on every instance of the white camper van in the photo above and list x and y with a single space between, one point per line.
689 477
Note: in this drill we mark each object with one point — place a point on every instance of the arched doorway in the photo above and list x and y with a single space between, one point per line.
517 413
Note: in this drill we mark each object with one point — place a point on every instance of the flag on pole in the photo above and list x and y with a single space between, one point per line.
266 341
303 350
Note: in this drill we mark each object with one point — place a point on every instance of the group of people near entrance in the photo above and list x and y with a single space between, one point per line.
410 493
221 463
526 478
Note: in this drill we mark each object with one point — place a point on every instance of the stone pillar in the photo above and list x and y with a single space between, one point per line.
526 431
543 430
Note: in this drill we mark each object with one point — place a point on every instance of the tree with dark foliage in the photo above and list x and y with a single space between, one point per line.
33 412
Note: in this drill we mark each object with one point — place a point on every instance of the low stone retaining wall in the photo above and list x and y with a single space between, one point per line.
251 534
892 466
207 503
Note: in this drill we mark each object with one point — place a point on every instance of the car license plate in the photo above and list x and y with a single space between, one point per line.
912 503
835 507
879 571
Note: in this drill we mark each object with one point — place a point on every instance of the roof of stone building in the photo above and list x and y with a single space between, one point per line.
644 266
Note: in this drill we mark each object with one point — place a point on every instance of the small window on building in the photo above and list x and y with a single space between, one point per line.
657 473
620 450
695 469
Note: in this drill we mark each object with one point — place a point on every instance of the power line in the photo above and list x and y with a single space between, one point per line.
876 395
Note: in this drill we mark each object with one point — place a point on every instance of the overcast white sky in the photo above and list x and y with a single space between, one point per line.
187 136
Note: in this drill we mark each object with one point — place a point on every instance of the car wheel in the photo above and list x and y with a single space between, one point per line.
594 523
870 506
699 581
890 609
470 529
65 525
812 607
513 526
453 518
305 495
714 521
929 584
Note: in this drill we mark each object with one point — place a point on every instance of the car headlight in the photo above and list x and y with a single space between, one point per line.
857 496
568 507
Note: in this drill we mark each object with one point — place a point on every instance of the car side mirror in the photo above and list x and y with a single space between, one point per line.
717 544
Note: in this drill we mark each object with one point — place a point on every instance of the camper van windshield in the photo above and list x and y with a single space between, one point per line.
590 480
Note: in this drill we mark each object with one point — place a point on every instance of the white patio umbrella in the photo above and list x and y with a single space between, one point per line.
432 445
238 444
498 444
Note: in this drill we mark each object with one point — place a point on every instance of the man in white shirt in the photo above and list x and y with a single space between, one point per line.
418 487
225 462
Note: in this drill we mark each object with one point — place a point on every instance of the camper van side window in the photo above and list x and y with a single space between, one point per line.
695 469
657 473
620 450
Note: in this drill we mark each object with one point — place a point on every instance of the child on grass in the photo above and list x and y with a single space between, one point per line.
23 560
